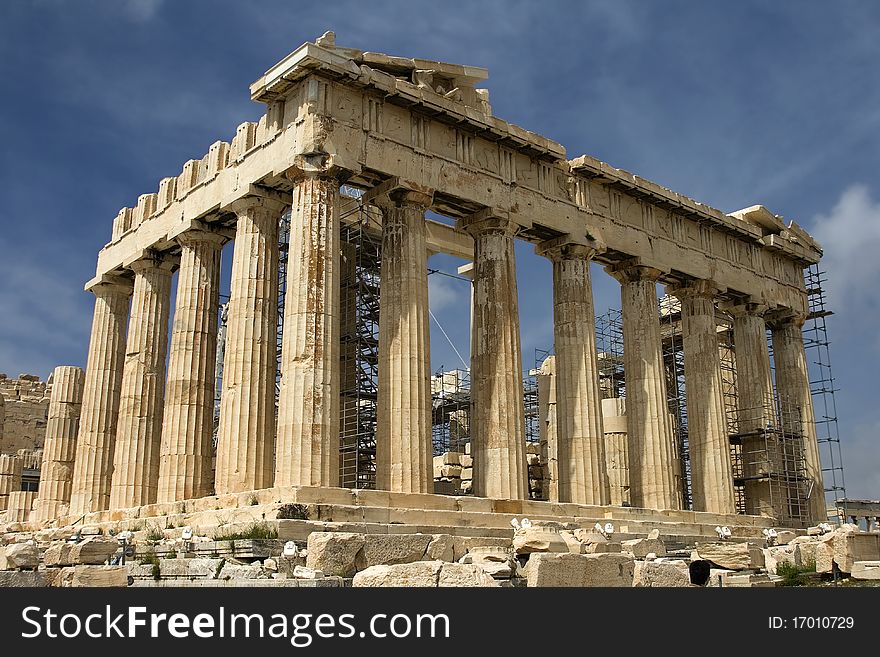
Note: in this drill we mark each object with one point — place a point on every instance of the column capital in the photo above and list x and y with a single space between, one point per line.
488 220
397 192
784 317
697 288
567 247
245 204
201 235
109 284
316 166
632 270
744 309
150 259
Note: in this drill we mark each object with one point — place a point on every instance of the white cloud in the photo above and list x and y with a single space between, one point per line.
142 11
444 292
850 237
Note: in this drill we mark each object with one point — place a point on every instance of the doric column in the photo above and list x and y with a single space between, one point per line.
403 416
185 453
652 454
308 404
498 416
139 432
59 449
583 476
10 478
246 434
616 449
708 442
796 400
95 445
756 414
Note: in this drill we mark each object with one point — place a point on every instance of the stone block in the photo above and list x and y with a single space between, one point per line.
731 555
672 573
451 458
417 574
865 570
16 579
805 553
579 570
301 572
538 539
464 576
92 551
240 571
746 580
608 547
57 554
466 461
467 474
93 576
850 547
441 548
574 545
825 554
20 555
450 471
389 549
642 547
777 555
335 553
198 568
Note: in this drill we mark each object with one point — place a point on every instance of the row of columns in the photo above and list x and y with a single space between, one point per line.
142 440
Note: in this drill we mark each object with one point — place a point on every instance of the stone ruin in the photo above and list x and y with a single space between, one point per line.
132 447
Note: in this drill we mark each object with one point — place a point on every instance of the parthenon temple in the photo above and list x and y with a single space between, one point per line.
253 397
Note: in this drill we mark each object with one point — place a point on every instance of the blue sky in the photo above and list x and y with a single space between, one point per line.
731 103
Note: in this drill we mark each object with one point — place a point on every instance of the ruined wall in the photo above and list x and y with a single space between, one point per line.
26 410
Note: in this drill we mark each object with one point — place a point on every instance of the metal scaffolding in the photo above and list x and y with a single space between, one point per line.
822 384
669 308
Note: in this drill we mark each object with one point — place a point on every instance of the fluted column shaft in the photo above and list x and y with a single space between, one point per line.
138 435
308 407
583 474
756 411
403 431
96 440
498 417
795 397
59 448
187 425
711 470
246 434
652 454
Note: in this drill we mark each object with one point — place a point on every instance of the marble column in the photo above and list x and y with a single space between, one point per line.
308 405
59 449
10 478
96 440
652 453
796 401
246 434
756 412
616 449
583 475
403 420
708 442
185 453
139 432
498 416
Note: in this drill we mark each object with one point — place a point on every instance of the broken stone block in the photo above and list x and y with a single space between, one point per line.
441 548
825 554
417 574
715 575
865 570
92 551
805 553
778 554
335 553
240 571
746 580
850 546
574 545
91 530
199 568
450 471
271 565
579 570
57 554
466 460
22 579
672 573
498 570
784 537
538 539
301 572
464 575
451 458
641 547
20 555
92 576
389 549
731 555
